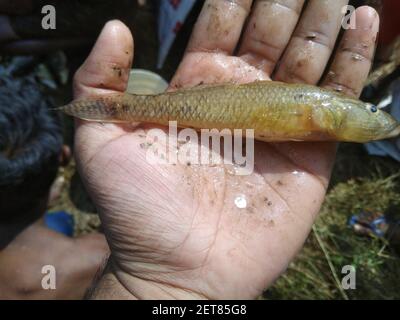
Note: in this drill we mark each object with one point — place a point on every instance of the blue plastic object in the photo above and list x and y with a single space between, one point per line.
373 225
60 221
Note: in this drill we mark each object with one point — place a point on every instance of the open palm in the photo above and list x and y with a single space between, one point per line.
176 230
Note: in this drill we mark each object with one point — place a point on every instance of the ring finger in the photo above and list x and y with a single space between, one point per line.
311 46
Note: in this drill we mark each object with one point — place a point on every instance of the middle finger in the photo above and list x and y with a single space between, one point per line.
268 32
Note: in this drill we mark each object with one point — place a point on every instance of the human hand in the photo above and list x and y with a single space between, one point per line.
174 231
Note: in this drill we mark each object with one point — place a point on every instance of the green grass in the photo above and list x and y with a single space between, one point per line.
316 273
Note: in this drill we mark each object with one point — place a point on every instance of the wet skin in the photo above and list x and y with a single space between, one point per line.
175 231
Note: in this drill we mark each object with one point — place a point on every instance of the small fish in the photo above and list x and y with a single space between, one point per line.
276 111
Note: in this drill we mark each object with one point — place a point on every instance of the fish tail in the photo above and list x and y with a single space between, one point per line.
96 109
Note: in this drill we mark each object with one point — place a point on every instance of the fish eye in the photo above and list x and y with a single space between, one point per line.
373 108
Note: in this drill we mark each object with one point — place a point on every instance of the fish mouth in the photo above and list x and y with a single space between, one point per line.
393 133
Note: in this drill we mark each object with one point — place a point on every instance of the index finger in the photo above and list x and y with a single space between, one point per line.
219 25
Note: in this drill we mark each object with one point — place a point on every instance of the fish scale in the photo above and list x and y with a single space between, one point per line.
275 111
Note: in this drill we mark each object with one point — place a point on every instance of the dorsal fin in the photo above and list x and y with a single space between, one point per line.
202 86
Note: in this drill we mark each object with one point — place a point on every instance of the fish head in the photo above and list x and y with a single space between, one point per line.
363 122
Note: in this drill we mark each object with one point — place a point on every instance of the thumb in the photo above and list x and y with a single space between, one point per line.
106 70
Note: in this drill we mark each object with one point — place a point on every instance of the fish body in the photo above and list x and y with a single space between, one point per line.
275 111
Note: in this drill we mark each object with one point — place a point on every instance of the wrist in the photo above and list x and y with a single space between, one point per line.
117 284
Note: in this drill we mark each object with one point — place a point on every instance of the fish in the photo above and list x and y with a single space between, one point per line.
276 111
